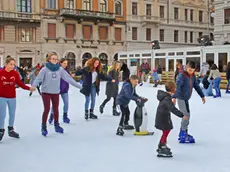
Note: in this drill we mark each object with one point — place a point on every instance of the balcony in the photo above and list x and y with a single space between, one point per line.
82 15
145 19
19 16
194 24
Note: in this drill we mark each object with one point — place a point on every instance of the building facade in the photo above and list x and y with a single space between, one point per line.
222 22
20 31
173 23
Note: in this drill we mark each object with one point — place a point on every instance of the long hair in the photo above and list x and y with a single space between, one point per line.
214 67
113 67
90 64
36 72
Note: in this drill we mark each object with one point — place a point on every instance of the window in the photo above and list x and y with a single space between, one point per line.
118 34
134 8
103 6
87 32
226 16
191 15
69 31
200 34
176 35
51 30
1 33
148 9
51 4
185 36
148 34
87 4
24 6
162 12
176 13
191 37
134 33
69 4
200 16
25 35
118 8
162 35
186 14
103 33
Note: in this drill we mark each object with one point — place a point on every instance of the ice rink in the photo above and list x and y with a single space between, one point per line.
93 146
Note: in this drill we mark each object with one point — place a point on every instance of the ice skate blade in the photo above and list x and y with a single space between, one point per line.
164 156
144 133
119 134
187 142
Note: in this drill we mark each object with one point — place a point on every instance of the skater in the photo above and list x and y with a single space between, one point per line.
159 73
228 78
50 77
207 85
32 76
145 69
179 69
125 72
155 78
64 88
215 74
185 83
92 73
112 88
126 94
9 78
163 117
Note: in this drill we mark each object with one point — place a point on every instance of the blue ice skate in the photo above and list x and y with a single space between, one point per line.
66 119
58 128
184 137
44 130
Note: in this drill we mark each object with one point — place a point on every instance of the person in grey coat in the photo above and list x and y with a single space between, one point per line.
112 88
32 77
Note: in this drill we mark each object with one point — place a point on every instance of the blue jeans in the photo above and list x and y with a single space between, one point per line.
93 98
216 86
65 98
11 102
208 91
228 84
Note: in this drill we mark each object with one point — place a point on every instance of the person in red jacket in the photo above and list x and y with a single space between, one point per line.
9 78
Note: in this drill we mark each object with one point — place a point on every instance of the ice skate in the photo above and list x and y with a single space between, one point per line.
115 113
120 131
51 118
58 128
91 115
86 114
184 137
44 130
12 133
30 94
2 131
66 119
128 127
164 151
101 109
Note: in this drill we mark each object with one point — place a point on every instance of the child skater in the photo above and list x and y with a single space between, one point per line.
92 73
215 74
127 93
50 77
155 77
64 88
32 76
163 117
9 79
112 88
185 83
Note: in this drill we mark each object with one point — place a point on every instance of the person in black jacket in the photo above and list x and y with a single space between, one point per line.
228 78
112 88
126 72
163 117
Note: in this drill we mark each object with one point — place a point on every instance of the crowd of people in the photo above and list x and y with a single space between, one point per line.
53 79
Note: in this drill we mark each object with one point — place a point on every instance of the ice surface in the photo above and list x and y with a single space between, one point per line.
93 146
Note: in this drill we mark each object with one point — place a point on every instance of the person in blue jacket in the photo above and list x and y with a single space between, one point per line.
185 83
127 93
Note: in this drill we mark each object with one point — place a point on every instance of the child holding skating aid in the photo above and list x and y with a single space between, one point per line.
8 80
127 93
163 117
185 82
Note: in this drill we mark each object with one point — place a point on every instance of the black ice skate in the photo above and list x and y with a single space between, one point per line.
128 127
115 113
91 115
2 131
120 131
12 133
86 114
101 109
30 93
164 151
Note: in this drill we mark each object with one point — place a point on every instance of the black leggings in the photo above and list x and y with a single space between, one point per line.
125 113
108 99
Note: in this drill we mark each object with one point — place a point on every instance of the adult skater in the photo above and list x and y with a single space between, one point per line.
125 72
50 77
163 120
9 79
127 93
215 74
112 88
32 76
92 73
185 83
64 89
145 69
179 68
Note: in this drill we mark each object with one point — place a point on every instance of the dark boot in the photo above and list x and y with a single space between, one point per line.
44 130
65 118
128 127
12 133
51 118
120 131
30 93
115 113
86 114
101 109
91 115
58 128
2 131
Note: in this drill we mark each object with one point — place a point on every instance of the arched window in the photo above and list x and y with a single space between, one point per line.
71 60
103 6
85 57
87 4
118 10
69 4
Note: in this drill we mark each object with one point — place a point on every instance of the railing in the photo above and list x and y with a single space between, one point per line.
85 13
190 23
19 15
148 18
